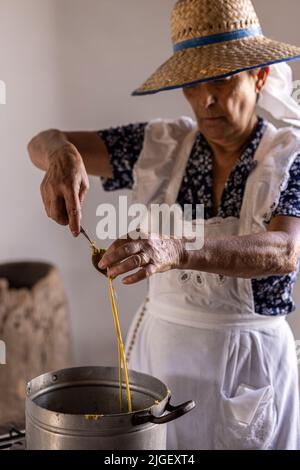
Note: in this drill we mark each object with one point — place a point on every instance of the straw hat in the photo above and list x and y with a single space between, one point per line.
215 39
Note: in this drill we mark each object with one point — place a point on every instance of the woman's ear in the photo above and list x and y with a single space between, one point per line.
261 78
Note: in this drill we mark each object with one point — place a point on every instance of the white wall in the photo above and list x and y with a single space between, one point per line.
72 64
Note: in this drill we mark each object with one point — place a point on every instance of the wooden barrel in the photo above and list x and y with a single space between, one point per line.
35 328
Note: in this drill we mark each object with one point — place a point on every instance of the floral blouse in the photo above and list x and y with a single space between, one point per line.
272 295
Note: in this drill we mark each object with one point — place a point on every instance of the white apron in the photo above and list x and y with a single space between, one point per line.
198 332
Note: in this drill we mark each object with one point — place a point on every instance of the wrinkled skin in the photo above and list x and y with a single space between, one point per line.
64 187
153 254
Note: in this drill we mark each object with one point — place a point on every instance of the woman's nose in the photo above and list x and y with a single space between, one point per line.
206 98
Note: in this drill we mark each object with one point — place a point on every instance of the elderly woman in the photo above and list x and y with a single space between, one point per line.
213 326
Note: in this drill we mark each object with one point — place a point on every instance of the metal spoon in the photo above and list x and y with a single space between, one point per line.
84 233
97 253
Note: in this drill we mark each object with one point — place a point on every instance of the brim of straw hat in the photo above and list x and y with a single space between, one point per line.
215 61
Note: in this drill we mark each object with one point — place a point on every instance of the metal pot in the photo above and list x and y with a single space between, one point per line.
78 409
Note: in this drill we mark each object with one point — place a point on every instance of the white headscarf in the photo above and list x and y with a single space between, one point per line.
276 96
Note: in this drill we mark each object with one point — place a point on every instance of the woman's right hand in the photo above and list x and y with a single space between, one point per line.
64 187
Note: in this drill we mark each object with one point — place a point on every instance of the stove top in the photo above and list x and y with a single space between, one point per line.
12 437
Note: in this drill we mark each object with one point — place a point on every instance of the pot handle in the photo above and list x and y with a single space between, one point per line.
175 412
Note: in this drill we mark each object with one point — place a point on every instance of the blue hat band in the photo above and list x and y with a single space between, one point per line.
218 38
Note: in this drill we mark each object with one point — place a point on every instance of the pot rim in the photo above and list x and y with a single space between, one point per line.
58 379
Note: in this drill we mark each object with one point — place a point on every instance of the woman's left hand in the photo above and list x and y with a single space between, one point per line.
152 254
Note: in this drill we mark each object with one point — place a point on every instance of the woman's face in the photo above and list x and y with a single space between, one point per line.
225 108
